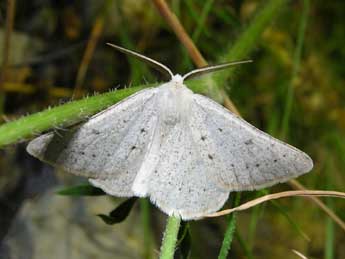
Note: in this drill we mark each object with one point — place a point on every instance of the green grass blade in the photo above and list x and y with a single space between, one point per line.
247 41
285 213
294 225
138 69
202 19
248 253
329 223
330 235
295 68
254 220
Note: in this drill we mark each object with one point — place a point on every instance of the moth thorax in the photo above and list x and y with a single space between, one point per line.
170 106
171 114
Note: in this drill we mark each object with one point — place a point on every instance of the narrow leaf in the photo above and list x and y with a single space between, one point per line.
81 190
120 213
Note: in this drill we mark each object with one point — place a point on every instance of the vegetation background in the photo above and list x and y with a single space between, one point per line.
52 52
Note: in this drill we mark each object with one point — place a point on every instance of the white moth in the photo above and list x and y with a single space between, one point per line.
182 150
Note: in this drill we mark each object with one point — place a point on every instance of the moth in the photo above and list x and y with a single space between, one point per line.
182 150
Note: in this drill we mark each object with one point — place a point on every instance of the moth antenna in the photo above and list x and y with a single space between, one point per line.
151 62
212 68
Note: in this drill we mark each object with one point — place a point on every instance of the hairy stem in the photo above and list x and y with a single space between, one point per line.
170 238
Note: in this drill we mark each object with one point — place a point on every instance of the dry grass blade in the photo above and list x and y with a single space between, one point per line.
299 254
279 195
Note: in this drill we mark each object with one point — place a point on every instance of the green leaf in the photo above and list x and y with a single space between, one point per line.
120 213
81 190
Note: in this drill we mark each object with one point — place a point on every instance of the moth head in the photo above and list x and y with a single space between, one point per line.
177 79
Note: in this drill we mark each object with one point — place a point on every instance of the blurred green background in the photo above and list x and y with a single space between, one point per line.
55 52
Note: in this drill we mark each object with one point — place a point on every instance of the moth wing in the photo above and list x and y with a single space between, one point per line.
246 157
111 144
180 184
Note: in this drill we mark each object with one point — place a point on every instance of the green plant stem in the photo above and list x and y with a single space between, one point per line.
170 238
295 68
71 113
230 230
228 237
61 116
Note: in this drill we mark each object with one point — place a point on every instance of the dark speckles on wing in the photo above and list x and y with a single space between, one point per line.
249 142
99 147
260 160
96 132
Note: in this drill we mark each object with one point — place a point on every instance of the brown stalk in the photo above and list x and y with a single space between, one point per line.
96 32
180 32
193 51
7 42
198 59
